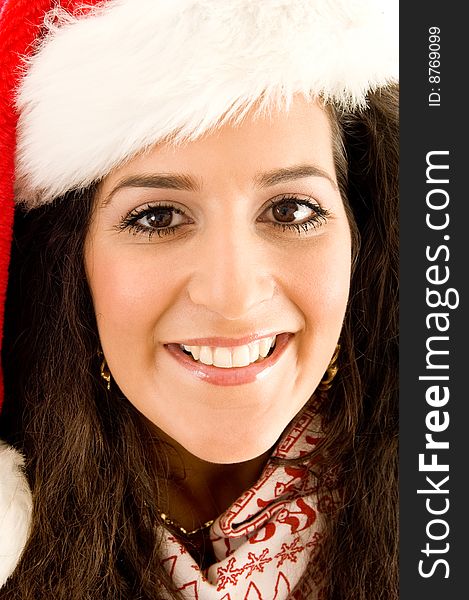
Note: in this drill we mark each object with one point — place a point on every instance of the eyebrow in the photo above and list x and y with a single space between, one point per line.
277 176
183 182
158 180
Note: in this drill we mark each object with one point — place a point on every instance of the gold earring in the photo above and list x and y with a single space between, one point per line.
331 372
104 371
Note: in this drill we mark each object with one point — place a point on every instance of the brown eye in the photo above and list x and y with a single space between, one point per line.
289 211
162 220
159 217
295 214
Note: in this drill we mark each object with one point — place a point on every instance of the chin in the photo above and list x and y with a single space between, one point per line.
228 449
228 456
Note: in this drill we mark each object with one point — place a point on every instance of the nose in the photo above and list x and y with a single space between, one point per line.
232 274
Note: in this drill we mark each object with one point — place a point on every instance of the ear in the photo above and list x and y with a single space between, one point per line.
15 510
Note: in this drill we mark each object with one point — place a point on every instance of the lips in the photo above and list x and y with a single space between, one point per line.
235 364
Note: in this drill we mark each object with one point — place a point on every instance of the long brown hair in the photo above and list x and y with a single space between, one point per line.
95 523
360 559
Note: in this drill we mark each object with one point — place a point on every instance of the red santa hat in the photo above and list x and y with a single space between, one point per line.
86 86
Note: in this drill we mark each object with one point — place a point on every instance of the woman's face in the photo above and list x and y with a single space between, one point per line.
219 272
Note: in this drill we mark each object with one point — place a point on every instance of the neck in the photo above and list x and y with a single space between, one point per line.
200 491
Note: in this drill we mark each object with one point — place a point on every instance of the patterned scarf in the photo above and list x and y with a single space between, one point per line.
265 540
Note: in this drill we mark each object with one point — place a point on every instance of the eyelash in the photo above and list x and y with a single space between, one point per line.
318 218
131 224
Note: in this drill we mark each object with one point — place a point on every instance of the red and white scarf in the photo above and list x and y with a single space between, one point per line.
265 540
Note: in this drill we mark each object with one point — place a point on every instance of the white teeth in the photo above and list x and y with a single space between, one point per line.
241 356
253 351
264 347
236 356
195 351
222 357
206 355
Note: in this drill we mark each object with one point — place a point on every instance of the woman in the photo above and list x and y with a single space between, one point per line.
200 354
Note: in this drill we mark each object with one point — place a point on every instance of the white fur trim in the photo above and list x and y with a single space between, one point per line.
15 510
106 86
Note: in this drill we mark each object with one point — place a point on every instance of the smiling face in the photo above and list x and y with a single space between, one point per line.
219 272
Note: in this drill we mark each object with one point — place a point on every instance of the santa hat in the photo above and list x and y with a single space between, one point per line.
86 86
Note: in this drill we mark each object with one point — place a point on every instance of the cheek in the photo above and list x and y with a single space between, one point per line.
320 292
129 294
320 281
